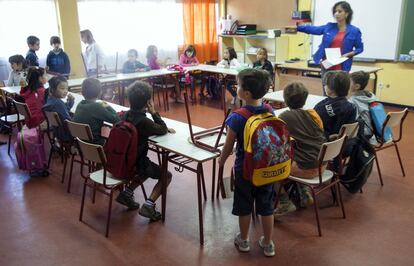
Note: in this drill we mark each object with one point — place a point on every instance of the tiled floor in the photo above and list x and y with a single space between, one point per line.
39 221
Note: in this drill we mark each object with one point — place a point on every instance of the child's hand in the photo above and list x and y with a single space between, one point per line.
104 104
150 107
140 70
221 161
171 130
70 98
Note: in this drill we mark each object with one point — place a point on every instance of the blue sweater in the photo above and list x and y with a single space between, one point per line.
352 39
57 105
58 62
31 58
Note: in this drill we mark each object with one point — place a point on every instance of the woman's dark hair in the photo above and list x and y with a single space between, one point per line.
346 7
295 95
18 59
256 81
88 36
232 53
133 52
33 76
54 39
139 93
150 51
54 83
191 49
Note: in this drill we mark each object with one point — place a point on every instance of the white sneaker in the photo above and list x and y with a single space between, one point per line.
268 250
242 245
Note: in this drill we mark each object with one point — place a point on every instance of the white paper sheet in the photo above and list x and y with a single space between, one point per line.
333 57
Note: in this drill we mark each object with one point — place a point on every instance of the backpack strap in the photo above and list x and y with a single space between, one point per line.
246 113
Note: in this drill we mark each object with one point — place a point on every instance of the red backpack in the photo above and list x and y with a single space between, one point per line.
267 149
121 150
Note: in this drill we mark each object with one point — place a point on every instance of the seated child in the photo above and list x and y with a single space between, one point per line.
262 62
92 112
189 58
140 99
336 110
253 84
152 58
306 128
34 95
58 90
57 60
133 65
362 98
229 61
18 74
34 44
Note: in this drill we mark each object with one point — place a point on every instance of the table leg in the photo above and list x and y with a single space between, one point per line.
164 168
200 207
214 179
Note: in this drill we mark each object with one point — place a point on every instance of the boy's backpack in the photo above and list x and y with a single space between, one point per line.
30 150
121 150
361 160
378 116
267 149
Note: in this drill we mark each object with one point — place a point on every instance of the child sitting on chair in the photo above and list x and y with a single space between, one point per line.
133 65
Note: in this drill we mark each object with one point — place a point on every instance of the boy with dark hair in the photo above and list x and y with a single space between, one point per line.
133 65
336 110
253 84
362 99
57 60
92 112
34 44
306 128
140 99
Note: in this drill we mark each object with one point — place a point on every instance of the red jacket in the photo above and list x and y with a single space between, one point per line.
35 101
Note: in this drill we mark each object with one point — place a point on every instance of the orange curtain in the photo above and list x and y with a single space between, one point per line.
200 28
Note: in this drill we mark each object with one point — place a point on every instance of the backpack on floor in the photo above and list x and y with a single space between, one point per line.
30 150
267 149
121 150
361 160
378 116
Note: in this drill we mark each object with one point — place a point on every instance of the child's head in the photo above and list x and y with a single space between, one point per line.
152 51
252 84
33 42
91 88
359 81
139 93
132 55
337 83
229 53
58 87
261 54
295 95
17 62
87 37
55 42
190 51
36 77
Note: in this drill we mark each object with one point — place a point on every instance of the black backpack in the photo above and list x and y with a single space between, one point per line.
361 160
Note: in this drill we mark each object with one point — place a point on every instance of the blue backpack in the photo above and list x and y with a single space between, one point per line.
378 116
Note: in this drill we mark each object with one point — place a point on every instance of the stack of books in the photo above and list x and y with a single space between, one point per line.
246 29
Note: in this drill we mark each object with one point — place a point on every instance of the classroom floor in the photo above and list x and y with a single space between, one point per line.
39 221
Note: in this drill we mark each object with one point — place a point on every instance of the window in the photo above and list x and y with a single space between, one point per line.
118 26
21 19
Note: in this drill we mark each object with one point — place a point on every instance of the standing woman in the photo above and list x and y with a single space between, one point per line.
341 35
93 57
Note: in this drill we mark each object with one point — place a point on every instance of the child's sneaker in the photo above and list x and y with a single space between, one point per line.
126 198
150 212
284 207
268 250
241 245
306 198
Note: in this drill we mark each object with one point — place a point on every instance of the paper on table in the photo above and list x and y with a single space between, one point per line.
333 57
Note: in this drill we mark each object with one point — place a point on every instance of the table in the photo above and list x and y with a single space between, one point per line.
300 72
277 96
11 90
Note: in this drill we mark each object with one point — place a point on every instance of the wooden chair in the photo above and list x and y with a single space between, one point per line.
23 112
326 179
55 125
9 120
99 180
393 120
349 130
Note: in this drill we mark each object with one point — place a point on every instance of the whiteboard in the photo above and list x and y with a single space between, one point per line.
378 20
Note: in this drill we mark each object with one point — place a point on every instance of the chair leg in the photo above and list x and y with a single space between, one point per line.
83 201
399 159
8 145
50 157
94 193
64 165
108 219
378 169
339 196
213 185
144 192
316 208
70 172
203 182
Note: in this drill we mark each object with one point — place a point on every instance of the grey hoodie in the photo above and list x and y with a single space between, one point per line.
362 99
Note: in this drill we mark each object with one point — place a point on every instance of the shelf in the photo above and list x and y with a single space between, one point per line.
268 54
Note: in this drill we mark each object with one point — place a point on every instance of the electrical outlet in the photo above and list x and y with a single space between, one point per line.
380 86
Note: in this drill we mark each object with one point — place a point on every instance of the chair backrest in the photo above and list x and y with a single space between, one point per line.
22 109
349 130
3 105
52 119
331 150
394 119
78 130
92 152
